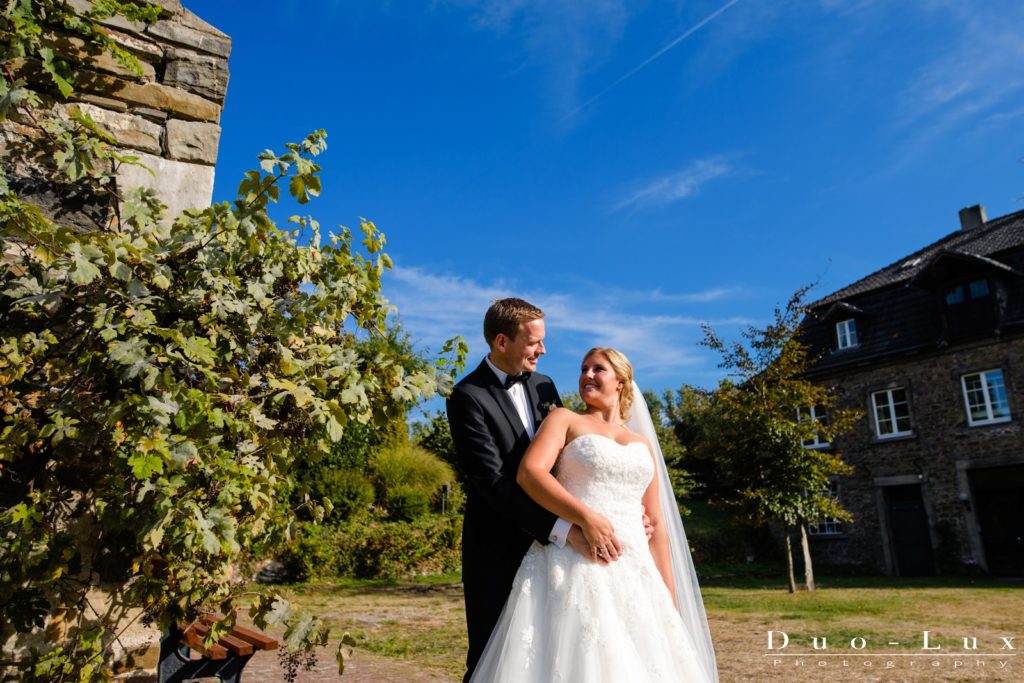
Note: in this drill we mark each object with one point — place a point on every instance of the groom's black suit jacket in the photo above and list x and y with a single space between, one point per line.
501 521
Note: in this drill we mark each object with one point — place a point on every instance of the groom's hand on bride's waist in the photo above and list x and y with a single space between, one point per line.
648 527
579 543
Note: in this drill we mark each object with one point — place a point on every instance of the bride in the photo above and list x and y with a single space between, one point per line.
633 611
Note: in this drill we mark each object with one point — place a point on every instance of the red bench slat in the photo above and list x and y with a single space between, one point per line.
256 639
194 640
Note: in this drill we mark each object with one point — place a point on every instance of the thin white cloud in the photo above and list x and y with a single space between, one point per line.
1000 117
434 307
970 83
708 295
679 184
654 57
975 73
565 37
971 87
713 294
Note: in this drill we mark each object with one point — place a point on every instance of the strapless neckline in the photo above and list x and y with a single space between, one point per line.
602 436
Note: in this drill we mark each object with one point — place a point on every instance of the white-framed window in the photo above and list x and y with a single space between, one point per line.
985 397
892 413
846 334
827 526
817 414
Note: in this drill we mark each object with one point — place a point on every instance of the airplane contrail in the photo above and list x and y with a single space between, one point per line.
675 41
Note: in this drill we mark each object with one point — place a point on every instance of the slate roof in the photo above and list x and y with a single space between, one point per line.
994 236
896 315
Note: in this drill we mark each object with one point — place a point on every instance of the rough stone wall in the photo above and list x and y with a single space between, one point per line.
168 117
938 453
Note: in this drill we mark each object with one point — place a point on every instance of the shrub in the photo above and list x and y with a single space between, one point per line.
435 435
406 503
351 492
311 554
370 549
430 545
408 478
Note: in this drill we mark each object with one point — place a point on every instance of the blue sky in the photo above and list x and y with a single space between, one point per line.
634 168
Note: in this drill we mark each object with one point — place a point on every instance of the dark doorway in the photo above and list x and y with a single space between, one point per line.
999 509
908 529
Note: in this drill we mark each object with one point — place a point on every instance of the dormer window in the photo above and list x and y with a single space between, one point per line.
847 323
974 290
971 290
970 311
846 334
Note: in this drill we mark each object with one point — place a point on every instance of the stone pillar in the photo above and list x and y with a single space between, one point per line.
168 117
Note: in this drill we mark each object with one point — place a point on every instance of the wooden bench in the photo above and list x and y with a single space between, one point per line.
225 659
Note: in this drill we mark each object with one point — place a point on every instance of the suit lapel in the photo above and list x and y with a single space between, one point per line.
534 399
503 400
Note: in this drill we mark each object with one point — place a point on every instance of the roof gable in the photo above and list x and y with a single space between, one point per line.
995 236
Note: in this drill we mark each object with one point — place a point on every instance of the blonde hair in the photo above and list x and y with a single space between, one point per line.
623 370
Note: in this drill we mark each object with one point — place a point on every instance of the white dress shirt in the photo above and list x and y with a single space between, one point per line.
517 392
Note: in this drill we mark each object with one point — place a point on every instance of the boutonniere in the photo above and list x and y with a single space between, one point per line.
546 408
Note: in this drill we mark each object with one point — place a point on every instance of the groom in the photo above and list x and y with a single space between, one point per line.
494 412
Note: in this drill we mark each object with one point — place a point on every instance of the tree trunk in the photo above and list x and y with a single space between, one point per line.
789 562
808 567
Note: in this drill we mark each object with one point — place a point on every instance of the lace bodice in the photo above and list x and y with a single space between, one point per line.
610 478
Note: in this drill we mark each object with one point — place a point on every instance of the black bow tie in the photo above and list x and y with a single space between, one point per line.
511 380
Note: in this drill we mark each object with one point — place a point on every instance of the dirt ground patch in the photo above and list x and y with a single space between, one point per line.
415 633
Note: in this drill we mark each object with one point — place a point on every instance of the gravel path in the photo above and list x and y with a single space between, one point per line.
364 667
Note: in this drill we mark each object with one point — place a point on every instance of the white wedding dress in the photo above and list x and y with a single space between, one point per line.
571 619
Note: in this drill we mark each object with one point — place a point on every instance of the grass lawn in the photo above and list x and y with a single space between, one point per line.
885 617
422 621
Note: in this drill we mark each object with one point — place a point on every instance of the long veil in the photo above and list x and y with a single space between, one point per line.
687 590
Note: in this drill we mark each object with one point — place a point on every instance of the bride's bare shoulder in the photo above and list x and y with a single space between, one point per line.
570 418
560 418
572 422
561 414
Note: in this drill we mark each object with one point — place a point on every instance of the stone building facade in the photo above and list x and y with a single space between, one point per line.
169 116
931 348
